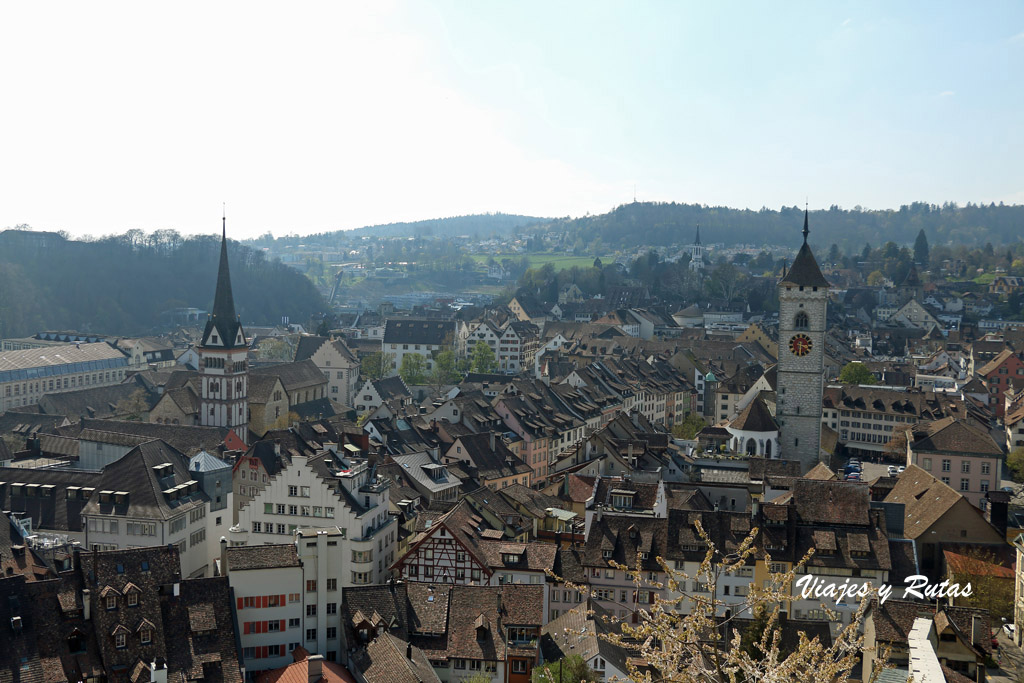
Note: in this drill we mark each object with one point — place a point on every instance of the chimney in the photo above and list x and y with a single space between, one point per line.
316 668
277 447
491 433
977 630
86 604
223 556
408 651
158 671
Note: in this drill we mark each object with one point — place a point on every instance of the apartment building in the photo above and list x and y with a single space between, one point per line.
865 416
958 453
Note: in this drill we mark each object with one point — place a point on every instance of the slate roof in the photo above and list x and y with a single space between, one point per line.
414 331
623 537
91 402
134 474
830 502
491 464
894 620
50 509
384 660
755 418
534 557
241 558
952 435
925 498
294 376
391 388
578 633
189 439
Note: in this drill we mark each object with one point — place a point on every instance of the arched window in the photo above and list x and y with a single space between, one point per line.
768 448
751 447
801 322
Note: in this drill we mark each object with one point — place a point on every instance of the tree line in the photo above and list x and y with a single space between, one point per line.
121 284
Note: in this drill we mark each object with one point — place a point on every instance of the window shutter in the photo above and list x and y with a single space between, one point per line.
282 602
266 601
239 603
245 628
282 624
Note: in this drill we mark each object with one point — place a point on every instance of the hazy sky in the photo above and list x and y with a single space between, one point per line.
317 116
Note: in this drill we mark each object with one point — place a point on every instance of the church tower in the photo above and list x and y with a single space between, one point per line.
803 297
223 353
697 254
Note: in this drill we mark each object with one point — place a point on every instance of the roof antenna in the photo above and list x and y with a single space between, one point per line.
634 193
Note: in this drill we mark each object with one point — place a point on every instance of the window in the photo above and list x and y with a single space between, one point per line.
519 666
111 601
293 490
984 468
145 636
460 664
310 634
332 608
120 640
946 466
310 585
293 622
965 467
310 610
332 633
926 463
984 485
257 527
965 484
273 625
133 599
332 584
945 480
801 321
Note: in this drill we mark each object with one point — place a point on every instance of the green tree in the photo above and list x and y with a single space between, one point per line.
444 371
989 589
414 368
921 249
375 365
571 669
751 635
833 253
482 358
688 428
1015 463
856 372
875 278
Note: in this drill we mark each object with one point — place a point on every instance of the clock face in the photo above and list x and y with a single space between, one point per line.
800 344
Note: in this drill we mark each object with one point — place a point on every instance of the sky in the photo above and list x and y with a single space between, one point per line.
317 116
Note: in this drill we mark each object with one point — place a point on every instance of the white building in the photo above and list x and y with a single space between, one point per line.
325 490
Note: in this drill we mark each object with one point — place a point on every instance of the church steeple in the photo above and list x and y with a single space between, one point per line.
806 230
805 271
223 320
697 240
223 369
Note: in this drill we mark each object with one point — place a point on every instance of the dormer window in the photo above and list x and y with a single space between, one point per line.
121 641
145 636
133 599
111 601
509 558
606 554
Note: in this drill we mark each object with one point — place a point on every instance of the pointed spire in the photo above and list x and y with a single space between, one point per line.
806 230
697 241
223 318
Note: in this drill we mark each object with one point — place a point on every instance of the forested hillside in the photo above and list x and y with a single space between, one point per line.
478 226
121 284
663 224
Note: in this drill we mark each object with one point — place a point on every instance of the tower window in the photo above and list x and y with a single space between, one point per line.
801 321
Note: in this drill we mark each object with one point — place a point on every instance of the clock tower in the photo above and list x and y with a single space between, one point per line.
803 298
223 359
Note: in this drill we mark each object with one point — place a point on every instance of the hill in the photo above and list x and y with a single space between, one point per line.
120 285
663 224
481 226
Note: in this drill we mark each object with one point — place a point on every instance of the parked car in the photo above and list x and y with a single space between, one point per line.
892 470
901 469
